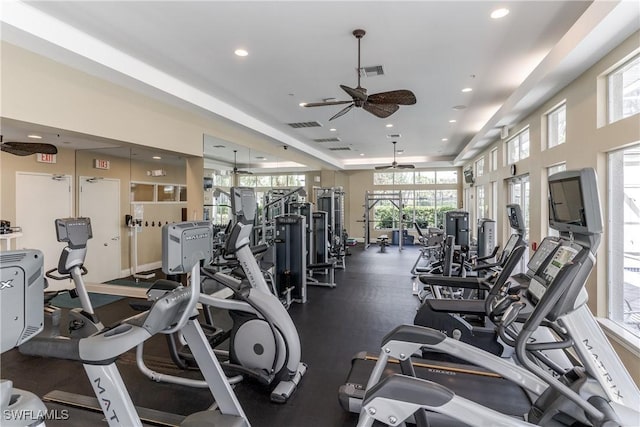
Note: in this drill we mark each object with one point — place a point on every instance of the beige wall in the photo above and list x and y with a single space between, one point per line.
586 146
80 163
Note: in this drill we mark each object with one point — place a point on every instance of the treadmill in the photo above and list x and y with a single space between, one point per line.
451 368
518 389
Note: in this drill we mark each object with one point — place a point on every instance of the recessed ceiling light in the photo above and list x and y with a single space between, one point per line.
500 13
445 139
362 154
467 89
459 107
241 52
452 121
400 151
261 158
302 104
34 136
157 158
389 125
332 130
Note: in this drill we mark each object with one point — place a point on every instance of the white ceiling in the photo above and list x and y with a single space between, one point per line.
300 51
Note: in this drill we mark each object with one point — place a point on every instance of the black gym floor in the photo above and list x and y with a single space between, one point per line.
372 297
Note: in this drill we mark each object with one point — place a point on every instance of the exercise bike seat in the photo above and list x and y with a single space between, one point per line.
461 306
456 282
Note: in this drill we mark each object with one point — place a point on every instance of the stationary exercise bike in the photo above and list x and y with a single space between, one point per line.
82 322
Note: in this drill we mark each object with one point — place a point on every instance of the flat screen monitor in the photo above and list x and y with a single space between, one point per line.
468 176
516 220
574 203
208 183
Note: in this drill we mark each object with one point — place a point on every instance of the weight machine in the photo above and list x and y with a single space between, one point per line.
277 202
331 201
371 199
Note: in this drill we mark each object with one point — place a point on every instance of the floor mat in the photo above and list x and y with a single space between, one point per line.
64 300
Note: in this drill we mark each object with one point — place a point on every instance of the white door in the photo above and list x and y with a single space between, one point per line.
40 200
99 200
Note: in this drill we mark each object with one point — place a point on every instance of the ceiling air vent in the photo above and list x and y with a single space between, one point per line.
332 139
372 71
394 135
340 149
304 125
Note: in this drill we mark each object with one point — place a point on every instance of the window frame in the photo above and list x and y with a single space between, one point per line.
517 142
553 132
619 234
633 61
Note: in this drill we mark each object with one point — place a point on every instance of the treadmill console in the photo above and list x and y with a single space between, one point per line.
540 283
75 231
543 253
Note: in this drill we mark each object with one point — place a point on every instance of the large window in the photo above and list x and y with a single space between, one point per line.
415 177
518 147
623 93
480 167
426 196
624 238
519 192
426 207
557 126
494 159
271 181
481 201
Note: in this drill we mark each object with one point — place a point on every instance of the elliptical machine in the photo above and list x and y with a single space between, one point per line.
21 319
82 322
263 342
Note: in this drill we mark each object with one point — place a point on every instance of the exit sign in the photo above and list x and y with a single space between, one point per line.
101 164
45 158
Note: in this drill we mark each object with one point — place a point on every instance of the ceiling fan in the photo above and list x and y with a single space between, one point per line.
27 148
381 104
394 164
235 166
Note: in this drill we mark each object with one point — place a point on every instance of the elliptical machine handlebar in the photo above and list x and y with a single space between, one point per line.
50 274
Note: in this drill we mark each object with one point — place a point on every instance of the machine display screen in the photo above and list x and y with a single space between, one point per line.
566 204
511 244
542 253
563 255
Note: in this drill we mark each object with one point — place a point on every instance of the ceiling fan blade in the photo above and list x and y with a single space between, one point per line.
405 166
355 93
383 167
30 147
342 112
380 110
16 152
322 104
401 97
